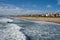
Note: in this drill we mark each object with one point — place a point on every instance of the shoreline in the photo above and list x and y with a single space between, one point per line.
47 19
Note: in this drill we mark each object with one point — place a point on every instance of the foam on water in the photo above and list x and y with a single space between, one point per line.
44 22
10 31
41 22
5 20
33 30
41 30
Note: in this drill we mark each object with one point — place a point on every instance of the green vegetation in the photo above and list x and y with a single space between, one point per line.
56 15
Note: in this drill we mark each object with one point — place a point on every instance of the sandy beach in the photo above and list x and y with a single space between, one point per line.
48 19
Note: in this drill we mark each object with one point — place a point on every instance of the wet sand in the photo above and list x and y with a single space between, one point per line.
48 19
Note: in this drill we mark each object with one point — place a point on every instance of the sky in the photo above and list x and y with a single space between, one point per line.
14 7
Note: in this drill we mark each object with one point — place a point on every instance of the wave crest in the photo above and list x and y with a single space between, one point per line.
11 32
5 20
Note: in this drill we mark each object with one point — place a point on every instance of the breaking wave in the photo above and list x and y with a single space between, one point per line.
5 20
10 31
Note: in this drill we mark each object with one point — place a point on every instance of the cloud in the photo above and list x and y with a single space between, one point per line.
6 9
9 10
33 11
58 2
48 6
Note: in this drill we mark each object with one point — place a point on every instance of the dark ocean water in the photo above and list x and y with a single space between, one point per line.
21 29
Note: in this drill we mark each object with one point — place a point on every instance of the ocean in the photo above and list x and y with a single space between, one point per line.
21 29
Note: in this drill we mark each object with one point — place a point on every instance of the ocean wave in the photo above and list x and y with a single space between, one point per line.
33 30
11 32
5 20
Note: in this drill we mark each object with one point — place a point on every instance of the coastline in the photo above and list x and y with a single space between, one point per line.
47 19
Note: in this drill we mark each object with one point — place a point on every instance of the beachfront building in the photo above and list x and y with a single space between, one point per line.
59 14
48 15
43 15
53 15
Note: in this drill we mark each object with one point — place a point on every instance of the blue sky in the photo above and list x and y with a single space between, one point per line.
39 5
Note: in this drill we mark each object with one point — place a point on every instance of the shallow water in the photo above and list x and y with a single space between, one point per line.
31 30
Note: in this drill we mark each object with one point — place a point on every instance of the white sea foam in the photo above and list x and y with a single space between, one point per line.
5 20
11 32
44 22
41 22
